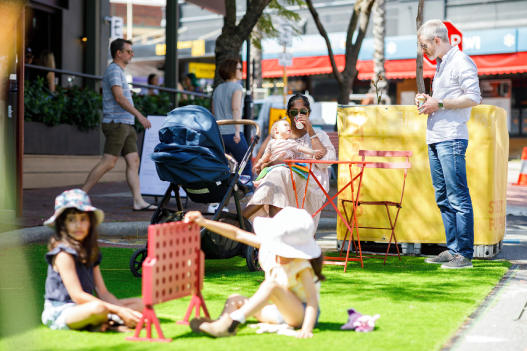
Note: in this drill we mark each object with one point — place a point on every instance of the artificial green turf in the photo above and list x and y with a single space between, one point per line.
420 305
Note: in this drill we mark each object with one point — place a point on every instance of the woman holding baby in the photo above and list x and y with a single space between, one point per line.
275 192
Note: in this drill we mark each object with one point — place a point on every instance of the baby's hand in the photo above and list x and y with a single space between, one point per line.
257 167
319 154
194 216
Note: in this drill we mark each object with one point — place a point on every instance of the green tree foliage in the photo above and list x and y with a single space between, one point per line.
151 105
277 10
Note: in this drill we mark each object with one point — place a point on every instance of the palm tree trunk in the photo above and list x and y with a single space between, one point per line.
379 10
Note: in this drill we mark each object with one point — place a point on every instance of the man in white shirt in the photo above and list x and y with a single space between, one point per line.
455 91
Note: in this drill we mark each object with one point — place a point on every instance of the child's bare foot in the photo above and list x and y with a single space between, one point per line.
257 183
197 322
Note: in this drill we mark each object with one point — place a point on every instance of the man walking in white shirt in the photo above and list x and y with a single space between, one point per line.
455 91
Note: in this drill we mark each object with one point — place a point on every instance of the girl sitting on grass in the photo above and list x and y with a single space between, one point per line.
74 274
292 262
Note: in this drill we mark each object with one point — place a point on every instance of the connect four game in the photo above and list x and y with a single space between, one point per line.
174 268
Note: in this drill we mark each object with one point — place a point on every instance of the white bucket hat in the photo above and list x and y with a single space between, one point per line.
75 198
291 234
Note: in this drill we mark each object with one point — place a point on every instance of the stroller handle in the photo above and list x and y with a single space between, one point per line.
241 121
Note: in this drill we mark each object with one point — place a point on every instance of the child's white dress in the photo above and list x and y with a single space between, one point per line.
276 147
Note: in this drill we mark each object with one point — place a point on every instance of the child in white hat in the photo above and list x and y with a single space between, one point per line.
292 262
74 274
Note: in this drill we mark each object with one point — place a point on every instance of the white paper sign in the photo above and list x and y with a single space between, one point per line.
116 30
285 59
286 35
151 185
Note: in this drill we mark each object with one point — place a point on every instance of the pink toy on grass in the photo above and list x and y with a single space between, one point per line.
365 323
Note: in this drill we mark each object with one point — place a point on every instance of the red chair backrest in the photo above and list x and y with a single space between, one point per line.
334 138
389 165
174 266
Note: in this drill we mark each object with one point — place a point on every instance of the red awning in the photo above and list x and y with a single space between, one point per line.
395 69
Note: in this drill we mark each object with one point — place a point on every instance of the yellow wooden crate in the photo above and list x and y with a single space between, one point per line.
395 128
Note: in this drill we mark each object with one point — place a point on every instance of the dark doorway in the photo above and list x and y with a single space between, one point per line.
44 32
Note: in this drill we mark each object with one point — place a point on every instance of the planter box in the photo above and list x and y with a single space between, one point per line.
60 140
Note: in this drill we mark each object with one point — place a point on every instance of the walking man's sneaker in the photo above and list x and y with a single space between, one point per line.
458 262
443 257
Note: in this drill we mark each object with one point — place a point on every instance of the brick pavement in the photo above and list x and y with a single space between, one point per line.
115 199
516 195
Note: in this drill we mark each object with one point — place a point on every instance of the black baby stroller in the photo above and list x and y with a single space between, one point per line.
191 155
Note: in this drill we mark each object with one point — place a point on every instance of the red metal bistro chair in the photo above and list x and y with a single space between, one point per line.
386 165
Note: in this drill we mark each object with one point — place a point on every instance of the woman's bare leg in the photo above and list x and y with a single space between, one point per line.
273 210
250 210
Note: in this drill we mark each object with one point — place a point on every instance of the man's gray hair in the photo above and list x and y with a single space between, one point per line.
433 29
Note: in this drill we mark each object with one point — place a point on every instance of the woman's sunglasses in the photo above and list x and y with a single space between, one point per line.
294 112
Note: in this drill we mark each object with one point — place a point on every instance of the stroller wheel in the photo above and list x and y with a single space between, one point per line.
136 262
251 257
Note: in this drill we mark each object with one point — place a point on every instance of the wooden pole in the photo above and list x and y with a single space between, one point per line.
285 83
419 62
20 48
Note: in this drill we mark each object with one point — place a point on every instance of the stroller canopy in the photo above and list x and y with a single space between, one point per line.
190 152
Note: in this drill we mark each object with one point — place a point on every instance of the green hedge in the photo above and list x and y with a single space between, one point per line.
82 107
75 106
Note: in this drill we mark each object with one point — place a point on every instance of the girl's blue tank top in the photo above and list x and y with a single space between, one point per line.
55 288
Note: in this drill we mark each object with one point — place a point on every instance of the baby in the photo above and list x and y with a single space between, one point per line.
280 146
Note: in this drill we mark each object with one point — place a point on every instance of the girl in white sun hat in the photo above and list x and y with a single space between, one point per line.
74 274
292 262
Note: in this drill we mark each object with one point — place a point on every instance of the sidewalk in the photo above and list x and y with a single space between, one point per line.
500 322
115 198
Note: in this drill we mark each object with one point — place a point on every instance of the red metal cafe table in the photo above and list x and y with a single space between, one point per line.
341 261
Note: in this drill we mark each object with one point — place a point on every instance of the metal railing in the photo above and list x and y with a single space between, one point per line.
90 76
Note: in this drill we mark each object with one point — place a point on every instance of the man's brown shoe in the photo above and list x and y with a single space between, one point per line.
443 257
223 327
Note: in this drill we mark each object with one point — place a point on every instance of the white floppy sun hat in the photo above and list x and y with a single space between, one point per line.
291 234
75 198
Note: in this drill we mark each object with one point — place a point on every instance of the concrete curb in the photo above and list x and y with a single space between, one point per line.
42 234
121 230
327 224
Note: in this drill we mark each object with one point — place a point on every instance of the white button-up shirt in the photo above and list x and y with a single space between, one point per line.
456 75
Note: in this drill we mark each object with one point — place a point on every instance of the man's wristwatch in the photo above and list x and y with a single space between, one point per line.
441 105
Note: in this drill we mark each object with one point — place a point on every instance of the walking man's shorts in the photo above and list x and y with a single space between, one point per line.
120 137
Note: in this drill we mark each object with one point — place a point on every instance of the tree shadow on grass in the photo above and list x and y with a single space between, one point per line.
412 279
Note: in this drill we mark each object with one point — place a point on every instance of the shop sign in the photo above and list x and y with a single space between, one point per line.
197 47
454 36
202 70
490 41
